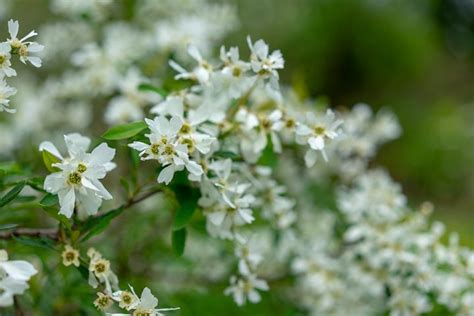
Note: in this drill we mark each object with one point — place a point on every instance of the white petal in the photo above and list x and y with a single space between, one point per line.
166 175
194 168
147 300
316 143
67 200
17 269
49 147
13 28
102 154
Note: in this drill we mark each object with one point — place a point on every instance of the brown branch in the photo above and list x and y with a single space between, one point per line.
53 233
131 202
18 310
30 232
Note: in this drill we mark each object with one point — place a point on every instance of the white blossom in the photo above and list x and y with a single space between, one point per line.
77 181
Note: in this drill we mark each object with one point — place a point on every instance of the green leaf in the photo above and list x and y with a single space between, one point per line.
53 212
96 225
188 199
124 131
49 200
178 240
7 226
83 271
41 242
12 194
49 159
149 87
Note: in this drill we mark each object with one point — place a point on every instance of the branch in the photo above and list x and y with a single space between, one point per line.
53 233
31 232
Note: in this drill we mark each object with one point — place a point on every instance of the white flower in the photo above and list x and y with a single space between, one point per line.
225 212
14 275
100 272
256 128
202 73
5 63
262 62
146 305
77 181
165 147
265 65
233 77
22 48
317 131
246 288
249 258
5 92
188 133
126 299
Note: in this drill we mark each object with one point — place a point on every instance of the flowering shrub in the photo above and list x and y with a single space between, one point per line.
246 168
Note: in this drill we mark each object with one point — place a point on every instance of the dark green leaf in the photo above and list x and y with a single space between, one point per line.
149 87
96 225
124 131
12 194
49 200
178 239
84 272
41 242
187 198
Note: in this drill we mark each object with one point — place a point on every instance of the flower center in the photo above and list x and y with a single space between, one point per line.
75 178
185 129
189 143
23 51
236 72
70 256
169 150
290 123
15 43
2 58
127 298
100 267
81 168
154 148
319 130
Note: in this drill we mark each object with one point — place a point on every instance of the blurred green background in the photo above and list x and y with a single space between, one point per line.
414 57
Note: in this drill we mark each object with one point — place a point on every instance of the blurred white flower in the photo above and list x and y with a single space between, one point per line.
245 288
14 275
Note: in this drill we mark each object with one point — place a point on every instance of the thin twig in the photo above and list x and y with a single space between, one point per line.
18 310
53 232
30 232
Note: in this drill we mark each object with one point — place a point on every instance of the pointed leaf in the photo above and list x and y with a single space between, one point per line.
124 131
12 194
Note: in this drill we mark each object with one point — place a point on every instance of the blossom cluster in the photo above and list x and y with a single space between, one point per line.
395 256
103 278
25 50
